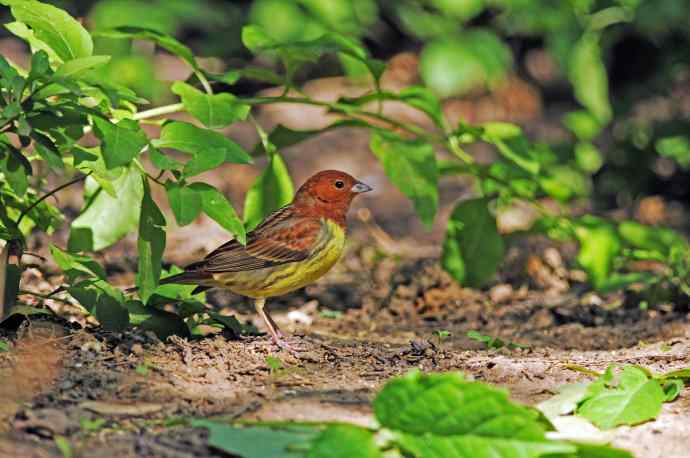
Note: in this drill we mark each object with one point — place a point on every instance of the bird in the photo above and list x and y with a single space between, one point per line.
291 248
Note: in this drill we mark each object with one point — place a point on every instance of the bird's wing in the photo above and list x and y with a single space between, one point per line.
280 239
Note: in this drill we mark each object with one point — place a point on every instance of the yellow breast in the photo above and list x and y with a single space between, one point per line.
274 281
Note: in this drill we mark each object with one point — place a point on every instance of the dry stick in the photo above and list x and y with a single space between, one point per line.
48 194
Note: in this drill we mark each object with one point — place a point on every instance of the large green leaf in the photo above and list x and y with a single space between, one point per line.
345 441
599 246
151 244
272 190
107 219
184 201
216 206
258 441
122 142
411 166
447 405
631 398
64 34
473 248
213 110
474 446
188 138
588 76
76 67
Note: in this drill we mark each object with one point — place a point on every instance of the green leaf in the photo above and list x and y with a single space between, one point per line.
430 446
515 148
164 41
656 239
151 244
493 343
411 166
15 168
74 264
565 401
188 138
485 61
676 147
64 34
47 150
185 202
588 76
229 322
162 161
107 219
672 389
588 157
446 404
425 100
345 441
294 53
76 67
205 160
258 441
473 248
271 191
217 207
630 399
122 142
563 182
111 314
25 33
163 324
583 124
213 110
40 65
599 245
599 451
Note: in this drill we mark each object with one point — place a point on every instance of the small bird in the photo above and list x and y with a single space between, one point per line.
291 248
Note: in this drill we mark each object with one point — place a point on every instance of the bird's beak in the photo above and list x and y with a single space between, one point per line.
360 187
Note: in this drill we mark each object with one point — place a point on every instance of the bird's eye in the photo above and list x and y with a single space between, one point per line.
339 184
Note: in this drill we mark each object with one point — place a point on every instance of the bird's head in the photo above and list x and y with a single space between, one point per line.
329 190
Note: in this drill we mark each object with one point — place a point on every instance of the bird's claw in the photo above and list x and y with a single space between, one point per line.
293 345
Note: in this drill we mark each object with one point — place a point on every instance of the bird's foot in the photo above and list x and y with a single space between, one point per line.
291 344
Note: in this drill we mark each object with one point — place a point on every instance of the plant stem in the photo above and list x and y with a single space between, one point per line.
348 110
456 149
48 194
158 111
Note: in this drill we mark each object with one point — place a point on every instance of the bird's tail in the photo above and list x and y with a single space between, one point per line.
184 278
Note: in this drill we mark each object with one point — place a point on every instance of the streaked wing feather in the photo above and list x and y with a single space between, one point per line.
280 239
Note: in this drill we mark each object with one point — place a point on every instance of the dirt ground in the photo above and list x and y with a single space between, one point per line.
373 317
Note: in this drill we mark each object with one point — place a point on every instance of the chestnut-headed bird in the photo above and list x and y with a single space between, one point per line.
291 248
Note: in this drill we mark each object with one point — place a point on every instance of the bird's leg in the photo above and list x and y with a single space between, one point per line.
277 336
271 325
